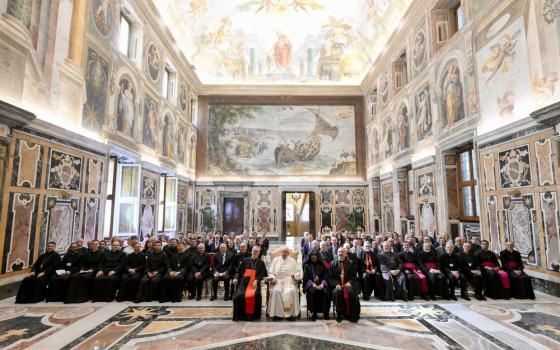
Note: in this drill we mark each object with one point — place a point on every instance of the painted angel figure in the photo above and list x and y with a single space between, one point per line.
503 50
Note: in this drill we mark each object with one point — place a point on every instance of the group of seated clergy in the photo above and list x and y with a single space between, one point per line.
381 266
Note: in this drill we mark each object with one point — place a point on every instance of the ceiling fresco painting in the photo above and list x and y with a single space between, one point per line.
282 41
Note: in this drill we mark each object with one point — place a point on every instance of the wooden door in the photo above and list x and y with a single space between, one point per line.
233 215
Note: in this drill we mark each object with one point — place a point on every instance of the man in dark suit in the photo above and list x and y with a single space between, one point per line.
211 246
222 263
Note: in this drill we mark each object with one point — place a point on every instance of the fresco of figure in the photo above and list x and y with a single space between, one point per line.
452 94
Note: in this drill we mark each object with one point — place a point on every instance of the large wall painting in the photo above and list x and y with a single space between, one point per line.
423 108
97 75
281 140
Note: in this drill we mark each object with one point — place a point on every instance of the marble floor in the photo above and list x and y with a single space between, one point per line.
511 324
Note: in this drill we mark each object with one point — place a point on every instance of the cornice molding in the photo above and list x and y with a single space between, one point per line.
275 90
13 116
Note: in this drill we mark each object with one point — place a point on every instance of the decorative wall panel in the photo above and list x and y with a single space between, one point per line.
20 231
28 161
489 176
65 171
265 210
91 219
515 168
520 225
545 165
94 176
61 221
493 224
63 199
550 217
338 203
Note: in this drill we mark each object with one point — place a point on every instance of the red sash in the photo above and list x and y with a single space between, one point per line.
423 282
504 278
250 292
409 266
368 262
345 292
431 265
511 263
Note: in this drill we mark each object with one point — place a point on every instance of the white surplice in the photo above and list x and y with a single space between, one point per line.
284 294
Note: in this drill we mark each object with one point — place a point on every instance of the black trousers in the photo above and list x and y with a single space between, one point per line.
149 288
453 282
195 284
215 282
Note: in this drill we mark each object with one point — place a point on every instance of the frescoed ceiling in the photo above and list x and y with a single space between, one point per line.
282 41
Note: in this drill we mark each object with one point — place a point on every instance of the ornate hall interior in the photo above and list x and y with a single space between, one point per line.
279 174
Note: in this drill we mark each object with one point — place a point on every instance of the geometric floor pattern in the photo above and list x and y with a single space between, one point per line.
208 325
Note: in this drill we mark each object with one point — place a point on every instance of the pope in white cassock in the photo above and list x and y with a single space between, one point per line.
284 274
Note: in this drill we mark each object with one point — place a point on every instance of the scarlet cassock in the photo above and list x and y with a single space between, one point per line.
247 299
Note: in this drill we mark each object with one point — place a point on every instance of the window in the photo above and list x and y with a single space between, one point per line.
400 72
124 35
447 20
170 220
168 82
467 185
167 204
372 103
161 202
110 202
410 193
458 17
128 200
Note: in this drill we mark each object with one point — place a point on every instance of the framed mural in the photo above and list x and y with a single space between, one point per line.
259 139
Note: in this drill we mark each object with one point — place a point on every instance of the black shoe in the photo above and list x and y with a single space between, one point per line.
454 298
483 298
212 298
339 318
366 298
276 318
198 297
466 297
291 318
191 296
314 317
326 317
226 298
427 298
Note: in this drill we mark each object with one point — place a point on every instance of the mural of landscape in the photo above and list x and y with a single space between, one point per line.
281 140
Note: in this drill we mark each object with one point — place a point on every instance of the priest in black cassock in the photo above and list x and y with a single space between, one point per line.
247 298
512 264
156 266
429 263
33 288
496 280
108 276
316 286
79 289
343 277
58 285
174 281
199 269
133 271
